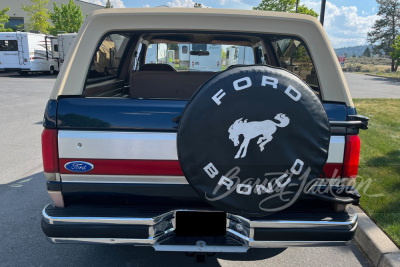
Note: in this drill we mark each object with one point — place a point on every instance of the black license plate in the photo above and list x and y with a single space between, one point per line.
199 223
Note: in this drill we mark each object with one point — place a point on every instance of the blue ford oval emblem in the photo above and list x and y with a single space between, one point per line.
79 166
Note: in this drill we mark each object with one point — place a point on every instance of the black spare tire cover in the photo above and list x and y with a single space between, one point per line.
252 138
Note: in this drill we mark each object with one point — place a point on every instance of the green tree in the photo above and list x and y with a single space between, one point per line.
305 10
395 54
285 6
386 28
197 5
109 5
367 52
173 46
4 19
276 5
67 18
37 15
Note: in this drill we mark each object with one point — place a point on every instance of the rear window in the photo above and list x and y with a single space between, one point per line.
198 57
8 45
153 66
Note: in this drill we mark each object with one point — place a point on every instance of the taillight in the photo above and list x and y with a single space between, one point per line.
50 150
351 156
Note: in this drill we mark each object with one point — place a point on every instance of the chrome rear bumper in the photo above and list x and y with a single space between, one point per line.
158 231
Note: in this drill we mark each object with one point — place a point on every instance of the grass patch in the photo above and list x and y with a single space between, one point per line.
380 163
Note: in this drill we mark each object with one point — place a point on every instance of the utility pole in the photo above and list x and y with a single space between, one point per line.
297 5
322 14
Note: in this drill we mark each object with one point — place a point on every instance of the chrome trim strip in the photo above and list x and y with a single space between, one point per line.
117 145
301 224
336 149
96 220
110 241
112 179
205 248
141 145
285 244
157 247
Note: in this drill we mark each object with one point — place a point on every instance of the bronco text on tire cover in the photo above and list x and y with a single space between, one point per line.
252 140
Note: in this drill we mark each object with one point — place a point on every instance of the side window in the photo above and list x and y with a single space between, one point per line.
294 57
8 45
184 49
108 56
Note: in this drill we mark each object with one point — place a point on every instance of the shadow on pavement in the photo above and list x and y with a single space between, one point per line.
387 80
22 242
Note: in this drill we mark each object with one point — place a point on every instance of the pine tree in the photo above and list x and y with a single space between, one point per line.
367 52
108 4
386 28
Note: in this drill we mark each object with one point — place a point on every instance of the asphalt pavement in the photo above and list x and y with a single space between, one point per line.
366 86
23 196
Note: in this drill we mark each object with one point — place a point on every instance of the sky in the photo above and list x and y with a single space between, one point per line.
347 22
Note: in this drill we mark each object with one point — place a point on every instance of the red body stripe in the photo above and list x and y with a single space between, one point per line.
156 167
128 167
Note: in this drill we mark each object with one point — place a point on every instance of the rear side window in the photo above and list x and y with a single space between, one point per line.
8 45
293 56
106 60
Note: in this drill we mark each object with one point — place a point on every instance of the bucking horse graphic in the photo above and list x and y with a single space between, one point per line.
252 129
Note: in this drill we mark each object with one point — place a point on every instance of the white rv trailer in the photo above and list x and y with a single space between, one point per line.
239 55
156 53
61 45
210 62
26 52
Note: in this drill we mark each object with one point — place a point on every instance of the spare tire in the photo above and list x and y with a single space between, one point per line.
252 138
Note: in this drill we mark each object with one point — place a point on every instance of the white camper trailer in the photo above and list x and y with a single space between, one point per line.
242 55
156 53
201 57
26 52
60 46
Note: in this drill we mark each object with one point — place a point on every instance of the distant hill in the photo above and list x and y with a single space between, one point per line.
353 50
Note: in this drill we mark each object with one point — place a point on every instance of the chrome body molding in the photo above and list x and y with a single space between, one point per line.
110 241
126 179
285 244
240 231
141 145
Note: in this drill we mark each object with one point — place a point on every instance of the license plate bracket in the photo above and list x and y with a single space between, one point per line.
200 223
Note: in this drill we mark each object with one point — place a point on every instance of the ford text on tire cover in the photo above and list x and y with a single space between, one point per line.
201 124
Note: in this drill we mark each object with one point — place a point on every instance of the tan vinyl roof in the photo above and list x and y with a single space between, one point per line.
72 76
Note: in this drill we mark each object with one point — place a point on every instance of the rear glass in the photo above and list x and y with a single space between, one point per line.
146 67
8 45
199 57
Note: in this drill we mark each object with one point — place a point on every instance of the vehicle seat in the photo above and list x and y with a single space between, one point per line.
156 67
167 84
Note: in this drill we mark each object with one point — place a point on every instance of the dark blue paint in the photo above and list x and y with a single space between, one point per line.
119 114
140 114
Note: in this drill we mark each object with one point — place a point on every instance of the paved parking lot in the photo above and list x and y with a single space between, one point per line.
23 195
366 86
